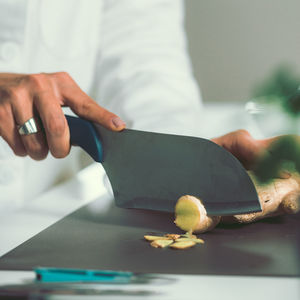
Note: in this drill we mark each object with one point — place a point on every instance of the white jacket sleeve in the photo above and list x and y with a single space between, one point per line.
143 72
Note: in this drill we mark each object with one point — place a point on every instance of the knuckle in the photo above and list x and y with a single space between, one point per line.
20 151
18 94
9 87
36 150
14 91
64 76
40 155
5 93
84 107
60 153
15 144
242 133
37 80
56 125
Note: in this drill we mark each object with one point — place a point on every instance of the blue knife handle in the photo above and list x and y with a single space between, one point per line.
81 275
84 135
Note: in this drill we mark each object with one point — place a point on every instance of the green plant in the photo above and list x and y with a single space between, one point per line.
282 87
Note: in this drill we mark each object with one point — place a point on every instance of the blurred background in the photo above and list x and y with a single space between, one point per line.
243 49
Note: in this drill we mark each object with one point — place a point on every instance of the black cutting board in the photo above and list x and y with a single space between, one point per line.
114 241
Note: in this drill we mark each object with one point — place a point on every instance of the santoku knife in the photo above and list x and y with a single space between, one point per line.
152 170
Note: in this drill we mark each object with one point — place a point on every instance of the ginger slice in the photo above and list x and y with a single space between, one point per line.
162 243
183 244
191 215
154 237
168 236
172 236
181 241
187 213
197 241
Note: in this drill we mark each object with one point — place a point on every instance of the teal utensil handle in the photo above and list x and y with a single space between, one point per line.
81 275
84 134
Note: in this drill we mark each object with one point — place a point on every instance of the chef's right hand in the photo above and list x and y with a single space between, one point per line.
41 96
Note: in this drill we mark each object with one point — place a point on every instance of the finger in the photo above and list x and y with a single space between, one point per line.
284 149
269 142
9 131
242 145
280 154
22 108
84 106
266 143
283 174
54 123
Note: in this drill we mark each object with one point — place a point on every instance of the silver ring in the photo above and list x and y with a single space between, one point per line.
29 127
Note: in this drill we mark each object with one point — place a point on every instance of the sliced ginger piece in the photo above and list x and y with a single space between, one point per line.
154 237
187 213
191 215
183 244
172 236
183 241
162 243
197 241
168 236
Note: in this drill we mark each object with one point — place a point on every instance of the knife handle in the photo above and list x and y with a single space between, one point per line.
84 135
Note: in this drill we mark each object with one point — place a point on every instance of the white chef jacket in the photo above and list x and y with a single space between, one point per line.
129 55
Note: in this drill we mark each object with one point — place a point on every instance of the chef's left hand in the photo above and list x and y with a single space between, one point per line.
247 150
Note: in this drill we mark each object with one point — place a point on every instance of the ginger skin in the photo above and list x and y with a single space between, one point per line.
281 196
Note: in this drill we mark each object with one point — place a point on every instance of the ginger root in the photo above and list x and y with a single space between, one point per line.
281 196
191 215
